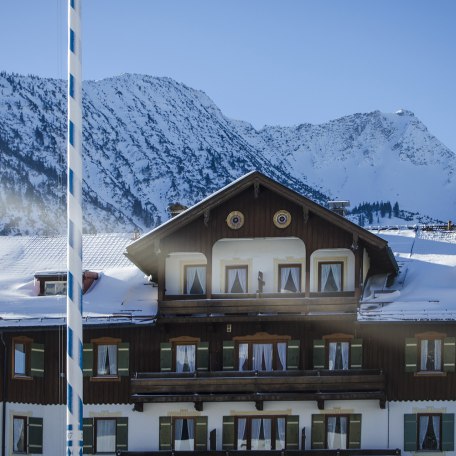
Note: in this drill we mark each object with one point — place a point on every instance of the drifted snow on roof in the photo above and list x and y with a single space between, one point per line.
425 289
121 295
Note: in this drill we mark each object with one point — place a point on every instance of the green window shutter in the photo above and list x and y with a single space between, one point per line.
201 433
87 432
228 433
202 356
449 353
166 357
318 432
122 434
123 361
354 431
87 360
293 355
411 354
37 360
35 432
410 432
292 433
228 355
165 433
319 354
448 432
356 354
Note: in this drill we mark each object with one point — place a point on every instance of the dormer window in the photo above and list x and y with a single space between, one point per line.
54 283
55 288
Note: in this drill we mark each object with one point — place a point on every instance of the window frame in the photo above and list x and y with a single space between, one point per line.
186 266
248 431
342 284
177 344
347 438
279 274
429 415
334 338
173 431
430 337
24 419
95 434
27 342
55 282
237 266
105 341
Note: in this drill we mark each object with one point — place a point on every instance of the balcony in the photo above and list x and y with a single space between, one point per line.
259 386
274 306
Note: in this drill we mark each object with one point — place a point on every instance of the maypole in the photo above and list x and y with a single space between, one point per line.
74 412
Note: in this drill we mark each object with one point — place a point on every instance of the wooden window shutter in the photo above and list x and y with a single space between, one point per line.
448 432
292 433
318 432
319 352
123 362
202 356
35 433
228 433
356 354
37 360
410 432
165 433
166 357
449 354
122 434
87 432
354 431
411 354
228 355
201 433
293 355
87 360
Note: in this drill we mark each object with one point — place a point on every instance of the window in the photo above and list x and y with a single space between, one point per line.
105 435
430 353
335 432
260 433
195 280
429 432
19 434
330 277
55 288
183 433
289 278
27 435
337 352
106 358
261 352
236 279
184 354
27 358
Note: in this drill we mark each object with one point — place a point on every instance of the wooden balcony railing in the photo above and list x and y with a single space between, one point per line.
199 387
261 305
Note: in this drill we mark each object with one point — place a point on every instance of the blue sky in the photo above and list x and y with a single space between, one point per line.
267 62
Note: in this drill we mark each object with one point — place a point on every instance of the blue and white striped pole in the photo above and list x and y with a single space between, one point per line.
74 413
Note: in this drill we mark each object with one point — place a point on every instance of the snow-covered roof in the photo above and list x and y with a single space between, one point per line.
425 288
121 294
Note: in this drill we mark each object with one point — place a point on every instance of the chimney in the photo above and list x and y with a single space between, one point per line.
175 209
339 207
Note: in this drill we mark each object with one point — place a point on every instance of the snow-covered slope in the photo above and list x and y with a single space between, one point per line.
149 142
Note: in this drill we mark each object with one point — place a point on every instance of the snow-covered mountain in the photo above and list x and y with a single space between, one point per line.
149 142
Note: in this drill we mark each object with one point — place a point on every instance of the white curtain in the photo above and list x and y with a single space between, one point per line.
424 422
280 443
345 346
241 275
112 353
424 354
282 351
19 359
438 354
243 355
285 274
241 441
336 270
436 425
267 352
257 357
283 278
185 358
18 435
184 442
325 268
262 356
331 431
295 275
256 424
332 355
267 434
192 273
343 432
102 360
106 436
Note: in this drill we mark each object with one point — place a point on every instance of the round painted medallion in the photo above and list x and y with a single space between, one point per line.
235 220
282 219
